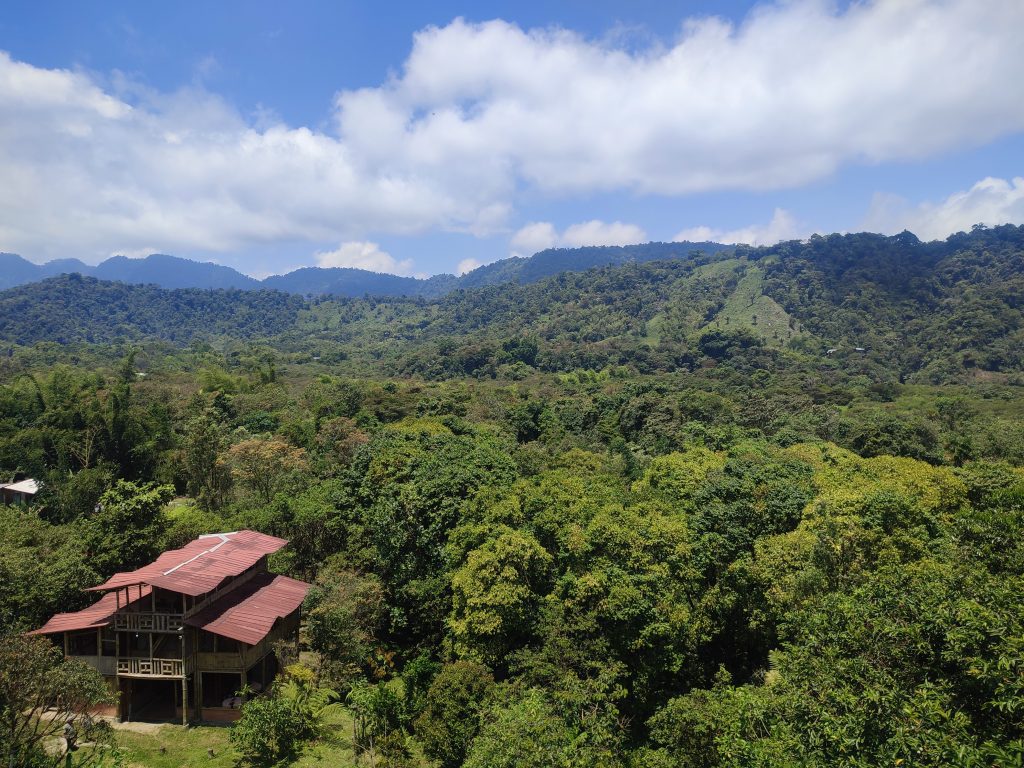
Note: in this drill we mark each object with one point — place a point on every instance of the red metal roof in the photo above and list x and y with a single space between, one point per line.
201 565
96 615
248 612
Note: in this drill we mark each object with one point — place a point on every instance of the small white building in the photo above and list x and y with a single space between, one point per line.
21 492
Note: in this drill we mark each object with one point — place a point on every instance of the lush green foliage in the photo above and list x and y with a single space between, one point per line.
610 519
40 693
274 726
891 308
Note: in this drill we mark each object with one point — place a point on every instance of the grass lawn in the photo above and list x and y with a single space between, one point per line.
172 746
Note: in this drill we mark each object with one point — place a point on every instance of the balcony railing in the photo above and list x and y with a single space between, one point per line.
130 667
149 622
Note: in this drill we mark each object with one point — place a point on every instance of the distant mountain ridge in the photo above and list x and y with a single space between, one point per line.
172 272
889 309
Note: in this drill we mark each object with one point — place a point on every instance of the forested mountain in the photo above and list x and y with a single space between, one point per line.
173 272
554 261
72 308
892 306
156 269
14 270
343 281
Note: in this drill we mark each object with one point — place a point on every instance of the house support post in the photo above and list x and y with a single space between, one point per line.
184 699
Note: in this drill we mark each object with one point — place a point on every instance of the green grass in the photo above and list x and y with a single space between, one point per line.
717 268
748 307
172 746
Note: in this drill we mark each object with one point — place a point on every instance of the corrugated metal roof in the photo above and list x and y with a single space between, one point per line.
30 487
96 615
248 612
201 565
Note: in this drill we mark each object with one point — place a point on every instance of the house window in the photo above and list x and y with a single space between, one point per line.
83 643
167 602
108 643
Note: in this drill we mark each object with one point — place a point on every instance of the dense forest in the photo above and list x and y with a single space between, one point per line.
757 507
890 308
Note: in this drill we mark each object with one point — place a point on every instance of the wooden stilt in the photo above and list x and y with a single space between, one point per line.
199 695
184 699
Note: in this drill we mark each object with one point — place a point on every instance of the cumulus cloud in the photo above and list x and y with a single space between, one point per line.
542 234
782 227
599 233
534 237
480 112
364 255
991 201
468 265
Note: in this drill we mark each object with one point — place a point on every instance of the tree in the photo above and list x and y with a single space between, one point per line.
496 596
344 615
128 526
207 475
40 693
265 463
270 729
274 726
30 594
522 732
451 718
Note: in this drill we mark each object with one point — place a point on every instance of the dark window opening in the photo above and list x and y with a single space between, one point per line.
83 643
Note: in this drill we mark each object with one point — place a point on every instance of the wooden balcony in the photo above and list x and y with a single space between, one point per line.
131 667
149 622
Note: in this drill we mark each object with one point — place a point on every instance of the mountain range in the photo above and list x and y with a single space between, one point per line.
884 308
167 271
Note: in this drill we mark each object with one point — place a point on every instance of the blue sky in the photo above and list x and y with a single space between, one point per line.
420 138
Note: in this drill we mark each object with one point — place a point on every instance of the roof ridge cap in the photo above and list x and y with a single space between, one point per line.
223 540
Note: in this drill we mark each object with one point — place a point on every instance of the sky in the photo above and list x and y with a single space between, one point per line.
418 138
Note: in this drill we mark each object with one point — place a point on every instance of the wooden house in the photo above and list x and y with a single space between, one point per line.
21 492
178 638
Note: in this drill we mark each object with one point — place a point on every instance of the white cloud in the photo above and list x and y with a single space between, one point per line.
468 265
480 112
540 235
782 227
599 233
991 201
364 255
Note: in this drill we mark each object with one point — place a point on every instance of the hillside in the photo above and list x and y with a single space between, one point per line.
893 307
76 309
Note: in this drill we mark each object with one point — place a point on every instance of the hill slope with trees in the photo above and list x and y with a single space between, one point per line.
891 305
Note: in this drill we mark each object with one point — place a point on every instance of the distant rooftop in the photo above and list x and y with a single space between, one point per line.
31 487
